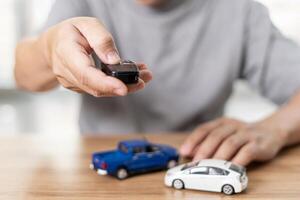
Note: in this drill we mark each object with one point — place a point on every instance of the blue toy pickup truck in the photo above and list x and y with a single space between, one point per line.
134 156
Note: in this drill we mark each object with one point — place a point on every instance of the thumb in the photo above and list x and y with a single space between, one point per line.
100 40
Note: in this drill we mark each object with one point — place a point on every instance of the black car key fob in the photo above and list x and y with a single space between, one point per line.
126 71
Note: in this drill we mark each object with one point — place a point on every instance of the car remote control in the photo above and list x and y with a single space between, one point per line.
126 71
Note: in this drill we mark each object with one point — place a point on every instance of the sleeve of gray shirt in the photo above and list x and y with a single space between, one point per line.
66 9
271 61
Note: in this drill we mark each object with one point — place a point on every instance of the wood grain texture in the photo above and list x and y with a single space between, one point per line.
57 168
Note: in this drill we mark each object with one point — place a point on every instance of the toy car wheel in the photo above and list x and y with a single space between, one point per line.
122 173
171 164
178 184
228 189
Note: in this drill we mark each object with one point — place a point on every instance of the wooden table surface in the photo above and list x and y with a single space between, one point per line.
34 167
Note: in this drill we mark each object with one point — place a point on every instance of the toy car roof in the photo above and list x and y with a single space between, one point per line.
214 163
134 143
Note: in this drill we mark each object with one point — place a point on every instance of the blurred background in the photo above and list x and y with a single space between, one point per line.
57 111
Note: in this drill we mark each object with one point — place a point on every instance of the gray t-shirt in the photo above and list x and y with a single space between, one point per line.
196 49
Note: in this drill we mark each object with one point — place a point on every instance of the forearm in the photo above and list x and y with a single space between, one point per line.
287 121
32 71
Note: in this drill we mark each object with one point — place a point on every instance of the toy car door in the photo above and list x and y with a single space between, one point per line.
197 178
139 160
216 179
156 158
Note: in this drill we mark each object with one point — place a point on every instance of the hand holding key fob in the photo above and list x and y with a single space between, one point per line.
126 71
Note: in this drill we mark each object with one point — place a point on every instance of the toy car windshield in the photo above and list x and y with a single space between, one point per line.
123 148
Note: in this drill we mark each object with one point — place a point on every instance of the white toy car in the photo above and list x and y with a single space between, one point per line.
209 175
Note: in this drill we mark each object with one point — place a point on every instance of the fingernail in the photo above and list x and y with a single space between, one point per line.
113 57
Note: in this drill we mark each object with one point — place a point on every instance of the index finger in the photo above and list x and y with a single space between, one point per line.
99 39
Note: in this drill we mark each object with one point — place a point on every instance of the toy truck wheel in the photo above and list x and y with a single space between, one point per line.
178 184
122 173
228 189
171 164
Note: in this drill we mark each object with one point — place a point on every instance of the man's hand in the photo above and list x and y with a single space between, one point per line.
230 139
67 49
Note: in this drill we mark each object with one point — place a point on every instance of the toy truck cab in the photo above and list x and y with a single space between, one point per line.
134 156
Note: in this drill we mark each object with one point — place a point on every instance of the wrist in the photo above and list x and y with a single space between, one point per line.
45 47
